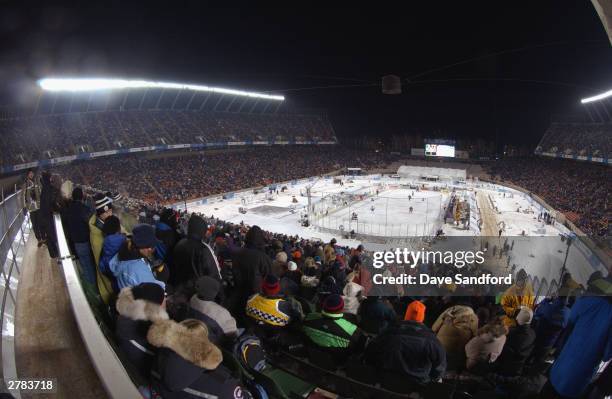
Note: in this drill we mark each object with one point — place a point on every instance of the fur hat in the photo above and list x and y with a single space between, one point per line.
192 345
128 305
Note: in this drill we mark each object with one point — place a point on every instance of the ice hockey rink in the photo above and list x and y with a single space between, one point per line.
281 208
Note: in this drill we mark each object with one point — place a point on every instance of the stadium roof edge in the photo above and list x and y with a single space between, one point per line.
95 84
604 10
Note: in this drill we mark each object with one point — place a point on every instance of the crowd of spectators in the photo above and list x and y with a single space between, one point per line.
580 139
26 139
186 291
581 190
173 178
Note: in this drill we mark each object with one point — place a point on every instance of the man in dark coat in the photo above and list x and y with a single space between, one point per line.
250 265
519 344
551 318
410 351
193 258
376 313
138 307
77 216
165 231
49 203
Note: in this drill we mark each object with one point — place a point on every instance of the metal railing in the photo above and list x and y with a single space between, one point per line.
14 230
108 366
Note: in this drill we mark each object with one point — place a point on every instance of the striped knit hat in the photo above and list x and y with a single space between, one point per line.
102 203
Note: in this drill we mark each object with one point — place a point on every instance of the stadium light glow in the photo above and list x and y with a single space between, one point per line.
76 85
597 97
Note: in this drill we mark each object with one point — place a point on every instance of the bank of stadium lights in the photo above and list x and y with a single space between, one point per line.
597 97
80 85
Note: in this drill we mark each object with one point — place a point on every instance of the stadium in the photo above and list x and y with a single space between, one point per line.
216 231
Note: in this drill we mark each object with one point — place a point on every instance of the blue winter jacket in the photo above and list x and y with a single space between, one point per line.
552 316
110 248
589 343
130 273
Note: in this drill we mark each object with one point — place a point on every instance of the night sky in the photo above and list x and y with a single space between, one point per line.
291 45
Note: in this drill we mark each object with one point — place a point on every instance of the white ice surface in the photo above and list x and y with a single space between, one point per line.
541 257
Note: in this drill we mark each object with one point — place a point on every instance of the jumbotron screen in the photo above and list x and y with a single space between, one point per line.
440 150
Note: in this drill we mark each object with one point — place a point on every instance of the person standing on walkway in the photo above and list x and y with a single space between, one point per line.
31 203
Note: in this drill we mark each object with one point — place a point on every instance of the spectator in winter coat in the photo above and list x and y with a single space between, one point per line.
291 279
31 203
376 315
188 365
518 346
131 265
49 202
409 350
485 347
138 307
270 308
203 301
551 317
589 344
104 209
165 231
78 229
280 264
193 258
455 327
519 294
329 252
113 240
331 332
353 295
250 266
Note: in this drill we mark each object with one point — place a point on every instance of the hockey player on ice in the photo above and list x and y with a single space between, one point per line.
372 208
410 210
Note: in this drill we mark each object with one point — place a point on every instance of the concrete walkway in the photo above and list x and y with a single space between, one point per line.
48 343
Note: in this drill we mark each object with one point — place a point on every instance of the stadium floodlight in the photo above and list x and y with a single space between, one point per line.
85 84
597 97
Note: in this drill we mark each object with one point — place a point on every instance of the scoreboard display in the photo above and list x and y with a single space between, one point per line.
439 150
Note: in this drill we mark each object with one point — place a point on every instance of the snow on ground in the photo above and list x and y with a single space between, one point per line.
541 251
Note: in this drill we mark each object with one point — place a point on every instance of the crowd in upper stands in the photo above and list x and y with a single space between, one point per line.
593 139
195 175
190 296
37 138
582 191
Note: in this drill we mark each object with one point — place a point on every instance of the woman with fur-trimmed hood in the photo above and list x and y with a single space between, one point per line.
138 307
189 365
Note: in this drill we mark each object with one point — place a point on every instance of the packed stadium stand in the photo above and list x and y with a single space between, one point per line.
27 139
172 178
582 191
593 140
